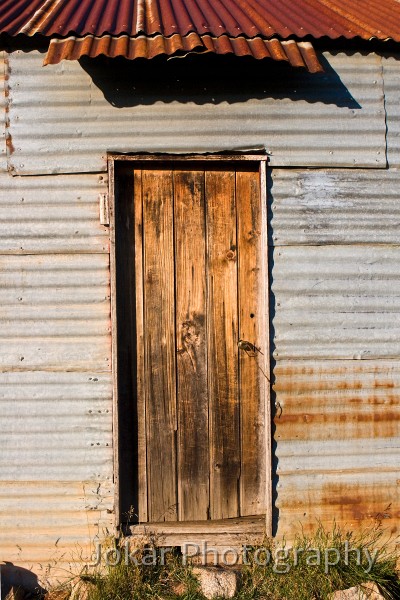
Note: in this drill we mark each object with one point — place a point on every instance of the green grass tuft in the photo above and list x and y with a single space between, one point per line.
306 577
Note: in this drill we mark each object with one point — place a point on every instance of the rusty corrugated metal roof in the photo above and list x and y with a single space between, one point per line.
268 18
297 54
142 30
147 28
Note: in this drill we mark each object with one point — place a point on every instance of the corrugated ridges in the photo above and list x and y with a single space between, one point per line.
68 435
52 214
298 54
329 206
326 295
52 523
318 18
326 400
391 72
336 433
302 124
55 312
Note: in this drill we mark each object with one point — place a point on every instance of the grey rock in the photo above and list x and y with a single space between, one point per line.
216 582
366 591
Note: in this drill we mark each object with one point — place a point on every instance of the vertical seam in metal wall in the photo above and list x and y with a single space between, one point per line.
385 113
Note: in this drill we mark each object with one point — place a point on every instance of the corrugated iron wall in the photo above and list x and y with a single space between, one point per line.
56 476
334 278
339 122
335 288
391 73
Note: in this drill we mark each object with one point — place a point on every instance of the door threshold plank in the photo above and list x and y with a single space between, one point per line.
240 525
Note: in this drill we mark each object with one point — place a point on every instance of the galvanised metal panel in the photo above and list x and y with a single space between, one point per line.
55 312
49 528
335 302
56 470
55 426
391 74
334 206
337 440
60 121
52 214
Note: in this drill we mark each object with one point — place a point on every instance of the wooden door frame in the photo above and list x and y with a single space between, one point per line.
223 158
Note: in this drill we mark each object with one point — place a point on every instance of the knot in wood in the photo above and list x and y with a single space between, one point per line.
231 255
190 334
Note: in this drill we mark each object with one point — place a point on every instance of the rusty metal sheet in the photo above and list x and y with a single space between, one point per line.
353 500
337 443
391 74
52 214
55 313
3 83
78 118
297 54
333 399
345 206
336 302
319 18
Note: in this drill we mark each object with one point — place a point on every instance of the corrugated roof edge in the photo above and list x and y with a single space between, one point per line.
297 54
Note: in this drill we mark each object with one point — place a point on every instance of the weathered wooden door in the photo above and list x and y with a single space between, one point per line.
200 287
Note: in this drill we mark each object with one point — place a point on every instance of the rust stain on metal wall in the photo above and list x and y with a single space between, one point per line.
4 108
337 452
337 373
9 146
352 500
361 401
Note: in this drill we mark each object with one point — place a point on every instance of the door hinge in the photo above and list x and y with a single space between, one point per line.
104 209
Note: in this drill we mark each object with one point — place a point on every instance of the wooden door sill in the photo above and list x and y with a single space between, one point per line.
236 532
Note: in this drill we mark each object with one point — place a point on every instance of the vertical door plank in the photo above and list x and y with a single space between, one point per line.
160 364
192 389
222 344
140 368
252 328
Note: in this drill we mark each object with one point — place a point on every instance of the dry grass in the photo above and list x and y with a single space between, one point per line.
304 580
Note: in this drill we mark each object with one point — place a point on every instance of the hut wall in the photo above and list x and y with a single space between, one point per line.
335 301
56 478
64 119
336 316
391 73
